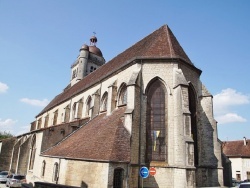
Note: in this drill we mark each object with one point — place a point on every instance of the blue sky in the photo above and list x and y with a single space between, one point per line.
39 40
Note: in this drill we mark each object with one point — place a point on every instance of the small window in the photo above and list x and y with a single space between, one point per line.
55 173
43 168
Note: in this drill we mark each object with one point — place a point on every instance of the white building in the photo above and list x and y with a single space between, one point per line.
239 154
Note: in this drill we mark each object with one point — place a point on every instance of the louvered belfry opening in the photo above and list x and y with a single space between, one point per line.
156 122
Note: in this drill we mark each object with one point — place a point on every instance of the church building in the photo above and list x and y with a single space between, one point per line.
147 107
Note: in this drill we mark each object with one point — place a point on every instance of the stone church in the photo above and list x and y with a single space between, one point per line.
145 107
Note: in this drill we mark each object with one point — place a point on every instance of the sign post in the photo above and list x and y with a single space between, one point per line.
144 173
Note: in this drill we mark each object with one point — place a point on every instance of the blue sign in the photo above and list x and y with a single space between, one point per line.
144 172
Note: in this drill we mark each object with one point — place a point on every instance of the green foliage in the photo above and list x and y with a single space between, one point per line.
4 135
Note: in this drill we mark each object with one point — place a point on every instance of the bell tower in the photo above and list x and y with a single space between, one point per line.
90 58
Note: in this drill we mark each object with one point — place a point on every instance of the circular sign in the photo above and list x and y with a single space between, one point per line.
152 171
144 172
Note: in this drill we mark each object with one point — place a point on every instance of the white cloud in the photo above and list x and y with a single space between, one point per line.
7 124
227 98
225 101
35 102
230 118
3 87
23 129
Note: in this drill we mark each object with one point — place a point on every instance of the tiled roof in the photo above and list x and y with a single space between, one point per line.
236 148
159 44
103 138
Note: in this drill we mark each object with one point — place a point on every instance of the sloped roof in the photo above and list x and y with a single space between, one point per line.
159 44
236 148
103 138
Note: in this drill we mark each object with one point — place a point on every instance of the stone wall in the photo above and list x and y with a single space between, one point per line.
6 153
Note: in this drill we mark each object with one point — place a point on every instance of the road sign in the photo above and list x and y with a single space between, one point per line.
152 171
144 172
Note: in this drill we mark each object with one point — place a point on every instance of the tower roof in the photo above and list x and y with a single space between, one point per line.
95 50
159 44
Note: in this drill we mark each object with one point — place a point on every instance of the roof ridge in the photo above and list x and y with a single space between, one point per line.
169 42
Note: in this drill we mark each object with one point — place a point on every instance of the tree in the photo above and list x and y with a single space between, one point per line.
4 135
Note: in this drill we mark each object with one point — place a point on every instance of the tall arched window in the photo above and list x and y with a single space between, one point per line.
43 168
46 122
74 111
79 112
67 114
118 178
123 95
104 102
39 123
55 117
55 172
88 106
192 109
156 122
32 153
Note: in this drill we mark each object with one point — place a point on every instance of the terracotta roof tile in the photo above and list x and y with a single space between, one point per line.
103 138
159 44
236 148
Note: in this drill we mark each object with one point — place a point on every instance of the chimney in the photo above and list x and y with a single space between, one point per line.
245 141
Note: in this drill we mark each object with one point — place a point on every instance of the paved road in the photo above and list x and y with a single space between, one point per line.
2 185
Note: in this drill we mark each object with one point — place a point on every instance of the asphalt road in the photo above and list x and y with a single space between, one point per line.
2 185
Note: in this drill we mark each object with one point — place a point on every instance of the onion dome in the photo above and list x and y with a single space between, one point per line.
84 47
95 50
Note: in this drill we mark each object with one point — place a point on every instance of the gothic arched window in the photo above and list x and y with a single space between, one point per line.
39 123
67 114
74 111
55 117
104 102
32 153
79 111
156 122
88 106
118 178
192 109
46 122
123 95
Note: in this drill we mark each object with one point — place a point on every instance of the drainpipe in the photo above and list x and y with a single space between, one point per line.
141 93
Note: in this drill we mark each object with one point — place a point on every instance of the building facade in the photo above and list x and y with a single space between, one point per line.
238 152
145 107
